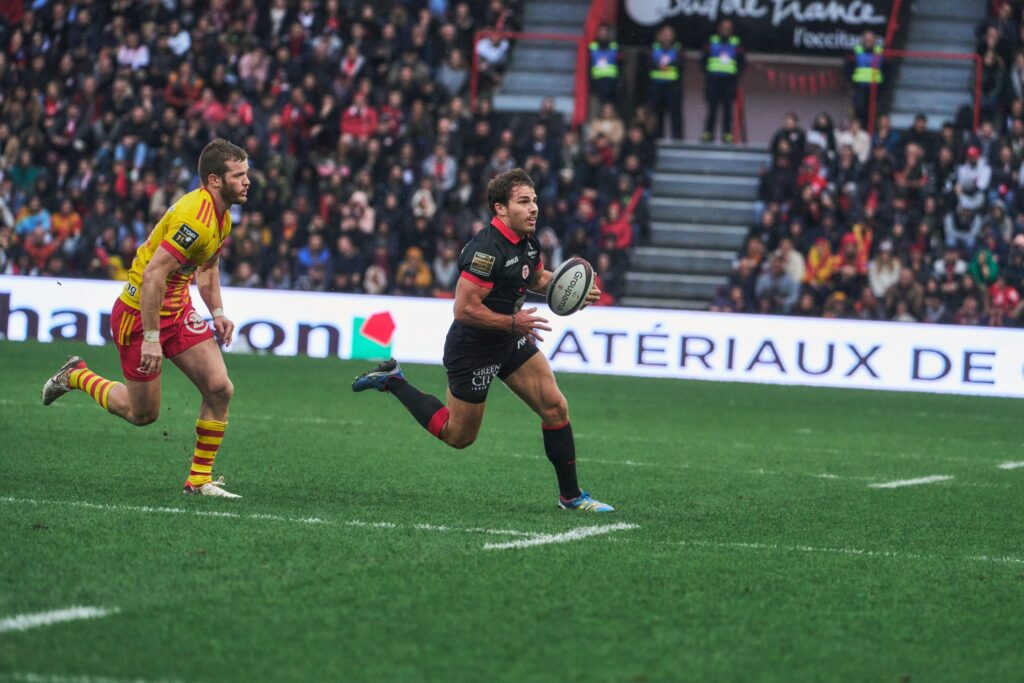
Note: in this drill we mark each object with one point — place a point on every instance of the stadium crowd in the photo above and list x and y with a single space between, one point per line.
368 166
906 225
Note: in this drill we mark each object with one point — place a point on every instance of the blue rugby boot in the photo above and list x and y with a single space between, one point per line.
584 502
378 379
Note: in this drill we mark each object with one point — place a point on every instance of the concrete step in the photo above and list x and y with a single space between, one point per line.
930 100
698 236
711 148
941 29
711 211
950 9
662 285
703 185
553 25
518 102
939 46
528 82
555 13
683 261
725 162
918 75
541 60
664 303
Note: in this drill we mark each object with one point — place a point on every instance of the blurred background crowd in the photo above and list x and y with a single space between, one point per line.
368 166
906 225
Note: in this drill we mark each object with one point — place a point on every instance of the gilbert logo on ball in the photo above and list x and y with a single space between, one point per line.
372 336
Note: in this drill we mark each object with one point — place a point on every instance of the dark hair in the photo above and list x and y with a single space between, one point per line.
215 157
499 190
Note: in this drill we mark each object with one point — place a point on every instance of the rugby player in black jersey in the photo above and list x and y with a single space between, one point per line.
493 336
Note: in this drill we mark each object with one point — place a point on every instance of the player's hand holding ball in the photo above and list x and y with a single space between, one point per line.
572 287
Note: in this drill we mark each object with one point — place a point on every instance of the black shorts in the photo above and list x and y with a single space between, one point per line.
473 360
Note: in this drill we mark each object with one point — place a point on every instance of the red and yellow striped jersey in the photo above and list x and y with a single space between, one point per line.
193 234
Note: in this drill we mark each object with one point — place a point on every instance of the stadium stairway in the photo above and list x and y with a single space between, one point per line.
544 68
937 88
701 207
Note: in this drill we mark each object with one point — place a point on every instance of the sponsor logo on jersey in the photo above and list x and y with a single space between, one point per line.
185 236
482 264
512 261
531 253
526 272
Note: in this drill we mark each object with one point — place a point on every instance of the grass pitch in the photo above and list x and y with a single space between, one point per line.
760 551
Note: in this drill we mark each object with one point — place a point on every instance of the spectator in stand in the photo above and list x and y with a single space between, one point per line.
776 291
883 270
493 53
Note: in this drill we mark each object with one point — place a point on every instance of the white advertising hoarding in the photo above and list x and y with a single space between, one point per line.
643 342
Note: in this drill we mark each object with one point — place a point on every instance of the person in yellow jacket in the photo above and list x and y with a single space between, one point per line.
604 65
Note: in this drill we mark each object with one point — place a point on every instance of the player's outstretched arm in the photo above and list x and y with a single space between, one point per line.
208 279
470 310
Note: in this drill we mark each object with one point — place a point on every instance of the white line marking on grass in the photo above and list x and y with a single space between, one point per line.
1011 465
267 517
910 482
24 622
857 552
58 678
566 537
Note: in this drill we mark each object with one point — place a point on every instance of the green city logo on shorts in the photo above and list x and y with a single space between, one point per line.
372 336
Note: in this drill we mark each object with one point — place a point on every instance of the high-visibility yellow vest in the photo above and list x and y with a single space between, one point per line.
867 66
665 62
722 59
604 60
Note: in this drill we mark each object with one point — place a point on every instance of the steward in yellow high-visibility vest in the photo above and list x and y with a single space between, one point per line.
724 61
604 65
866 66
664 80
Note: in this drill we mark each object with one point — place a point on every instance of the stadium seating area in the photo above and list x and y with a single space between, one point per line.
368 165
907 225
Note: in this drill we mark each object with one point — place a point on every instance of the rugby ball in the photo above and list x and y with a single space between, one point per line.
567 292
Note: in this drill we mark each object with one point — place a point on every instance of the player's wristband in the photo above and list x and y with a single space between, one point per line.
152 336
217 312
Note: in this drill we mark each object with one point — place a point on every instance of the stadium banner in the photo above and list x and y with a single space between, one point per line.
820 27
623 341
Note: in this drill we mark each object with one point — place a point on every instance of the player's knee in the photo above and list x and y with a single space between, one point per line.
220 391
556 412
460 441
141 419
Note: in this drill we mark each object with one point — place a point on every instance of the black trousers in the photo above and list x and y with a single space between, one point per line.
719 92
605 89
666 97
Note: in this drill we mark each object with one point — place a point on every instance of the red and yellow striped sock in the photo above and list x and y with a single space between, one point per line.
209 434
88 381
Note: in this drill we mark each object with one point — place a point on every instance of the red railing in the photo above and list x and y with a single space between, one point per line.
894 22
739 118
939 56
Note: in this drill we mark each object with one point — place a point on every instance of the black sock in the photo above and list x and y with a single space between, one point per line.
561 450
424 407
